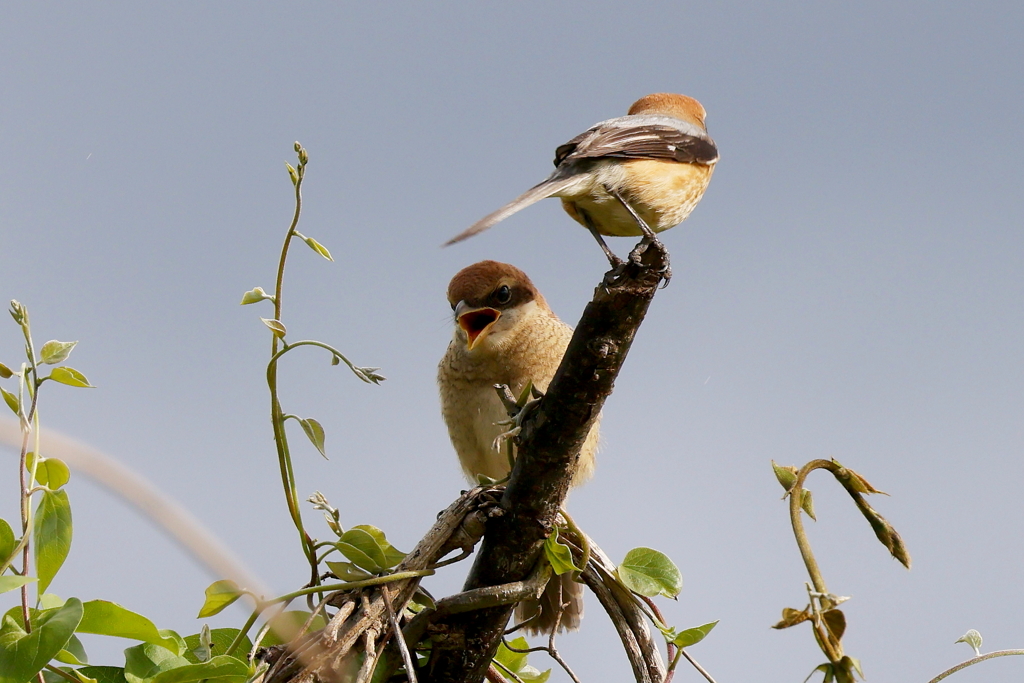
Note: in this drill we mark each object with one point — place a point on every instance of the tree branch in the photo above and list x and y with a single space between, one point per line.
549 446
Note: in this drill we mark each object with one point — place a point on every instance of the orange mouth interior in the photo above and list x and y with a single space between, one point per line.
477 323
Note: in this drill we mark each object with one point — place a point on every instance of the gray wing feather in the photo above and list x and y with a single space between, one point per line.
639 142
531 196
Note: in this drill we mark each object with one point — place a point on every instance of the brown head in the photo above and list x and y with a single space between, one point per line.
481 294
670 104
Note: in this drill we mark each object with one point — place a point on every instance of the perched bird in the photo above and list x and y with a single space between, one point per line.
505 334
634 175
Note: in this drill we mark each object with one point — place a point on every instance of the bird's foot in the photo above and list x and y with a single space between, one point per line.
518 409
636 257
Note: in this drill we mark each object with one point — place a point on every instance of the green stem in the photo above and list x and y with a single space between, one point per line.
673 664
276 414
796 519
975 660
309 342
31 417
817 580
63 674
244 630
353 585
584 540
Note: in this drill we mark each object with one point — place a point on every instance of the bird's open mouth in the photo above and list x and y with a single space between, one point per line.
477 324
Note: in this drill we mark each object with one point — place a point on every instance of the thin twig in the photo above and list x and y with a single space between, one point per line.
507 670
494 676
403 647
697 666
975 660
553 651
60 672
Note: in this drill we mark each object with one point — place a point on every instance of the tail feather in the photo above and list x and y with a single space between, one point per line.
561 590
536 193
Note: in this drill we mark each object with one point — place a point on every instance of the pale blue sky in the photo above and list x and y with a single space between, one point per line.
851 286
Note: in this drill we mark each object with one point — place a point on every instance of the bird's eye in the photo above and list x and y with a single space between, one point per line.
503 294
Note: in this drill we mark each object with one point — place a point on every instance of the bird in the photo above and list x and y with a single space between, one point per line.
634 175
505 333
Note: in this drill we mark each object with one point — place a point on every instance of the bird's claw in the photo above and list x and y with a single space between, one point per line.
635 257
518 410
505 436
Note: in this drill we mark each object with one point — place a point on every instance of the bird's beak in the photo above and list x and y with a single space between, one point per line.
475 322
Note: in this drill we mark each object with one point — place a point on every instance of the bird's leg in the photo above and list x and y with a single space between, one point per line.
519 409
649 235
612 258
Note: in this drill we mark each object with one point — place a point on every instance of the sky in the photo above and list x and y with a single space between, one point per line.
849 287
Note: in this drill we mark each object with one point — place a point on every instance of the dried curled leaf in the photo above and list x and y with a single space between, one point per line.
792 617
885 532
835 622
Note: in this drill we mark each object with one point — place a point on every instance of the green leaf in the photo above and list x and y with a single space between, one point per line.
204 649
254 295
18 312
315 432
221 668
5 372
368 375
347 571
8 542
785 474
512 660
106 618
362 549
286 625
145 661
9 583
318 248
52 473
972 638
54 351
51 677
23 655
292 173
52 530
49 601
104 674
807 504
73 653
219 595
649 572
11 400
220 641
422 598
517 664
559 555
70 376
391 555
276 326
692 636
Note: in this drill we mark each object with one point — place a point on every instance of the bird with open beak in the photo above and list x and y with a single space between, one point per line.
634 175
505 334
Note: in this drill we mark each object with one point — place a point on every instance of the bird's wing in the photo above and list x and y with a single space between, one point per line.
647 141
532 196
